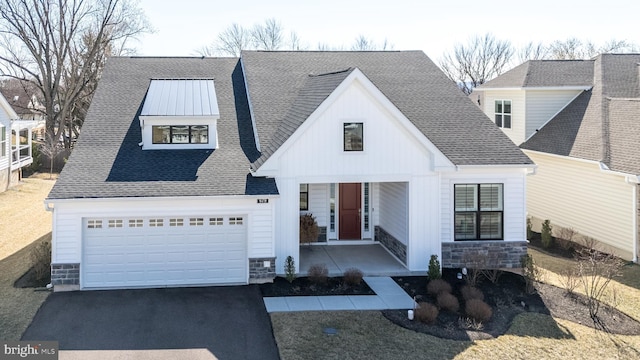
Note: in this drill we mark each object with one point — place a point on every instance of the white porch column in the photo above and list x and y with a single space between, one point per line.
424 217
287 223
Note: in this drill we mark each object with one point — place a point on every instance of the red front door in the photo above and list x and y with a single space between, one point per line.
349 212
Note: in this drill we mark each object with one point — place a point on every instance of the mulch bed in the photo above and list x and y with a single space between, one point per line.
302 286
507 299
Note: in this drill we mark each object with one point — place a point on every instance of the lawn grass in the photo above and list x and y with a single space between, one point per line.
24 218
369 335
18 306
23 224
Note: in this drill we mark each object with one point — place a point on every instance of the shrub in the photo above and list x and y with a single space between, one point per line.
529 230
309 229
546 234
290 269
478 310
426 313
569 279
318 274
353 277
448 302
475 263
568 235
471 292
41 260
530 272
434 268
438 286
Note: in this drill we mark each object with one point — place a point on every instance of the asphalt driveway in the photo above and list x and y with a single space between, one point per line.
230 322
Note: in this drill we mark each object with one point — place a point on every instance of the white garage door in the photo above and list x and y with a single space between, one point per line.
164 251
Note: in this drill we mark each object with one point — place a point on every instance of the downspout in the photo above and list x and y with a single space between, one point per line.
636 205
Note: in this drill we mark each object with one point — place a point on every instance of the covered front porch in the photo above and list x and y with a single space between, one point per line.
371 259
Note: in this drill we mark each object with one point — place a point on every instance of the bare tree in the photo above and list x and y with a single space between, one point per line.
50 148
267 36
575 49
60 46
532 51
363 43
481 59
295 43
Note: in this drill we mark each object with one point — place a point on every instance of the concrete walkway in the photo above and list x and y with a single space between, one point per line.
388 296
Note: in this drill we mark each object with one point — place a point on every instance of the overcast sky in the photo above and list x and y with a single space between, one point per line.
432 26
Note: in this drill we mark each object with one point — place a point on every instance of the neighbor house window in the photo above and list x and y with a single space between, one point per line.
304 196
3 141
478 211
180 134
353 137
503 113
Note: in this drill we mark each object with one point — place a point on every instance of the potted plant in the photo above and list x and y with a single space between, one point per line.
308 229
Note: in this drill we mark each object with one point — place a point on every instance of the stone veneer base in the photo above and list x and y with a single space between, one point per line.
499 254
392 244
258 273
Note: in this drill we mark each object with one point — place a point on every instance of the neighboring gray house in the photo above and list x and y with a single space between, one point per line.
579 121
194 171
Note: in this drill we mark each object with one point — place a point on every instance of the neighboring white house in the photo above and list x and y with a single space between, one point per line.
578 120
194 171
15 145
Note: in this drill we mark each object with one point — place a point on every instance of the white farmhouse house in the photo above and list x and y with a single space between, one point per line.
193 171
578 120
15 145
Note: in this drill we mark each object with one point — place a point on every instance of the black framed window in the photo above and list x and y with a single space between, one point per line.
503 113
180 134
479 212
353 140
304 196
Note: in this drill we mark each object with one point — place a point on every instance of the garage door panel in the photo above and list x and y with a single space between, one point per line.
164 255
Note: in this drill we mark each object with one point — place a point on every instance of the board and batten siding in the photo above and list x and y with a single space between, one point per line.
393 209
514 213
317 155
542 105
68 220
576 193
319 203
518 111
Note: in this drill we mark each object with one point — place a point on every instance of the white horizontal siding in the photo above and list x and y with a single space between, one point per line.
67 239
6 122
514 199
517 131
542 105
393 209
577 194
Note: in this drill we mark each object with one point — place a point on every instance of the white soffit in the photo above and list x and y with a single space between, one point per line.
181 97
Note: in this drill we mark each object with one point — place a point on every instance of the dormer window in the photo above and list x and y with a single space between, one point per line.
180 114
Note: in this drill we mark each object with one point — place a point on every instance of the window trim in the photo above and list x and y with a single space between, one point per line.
503 113
344 136
306 193
3 141
171 126
478 212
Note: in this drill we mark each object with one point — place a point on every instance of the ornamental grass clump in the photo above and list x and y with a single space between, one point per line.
438 286
426 313
318 274
471 292
478 310
447 301
353 277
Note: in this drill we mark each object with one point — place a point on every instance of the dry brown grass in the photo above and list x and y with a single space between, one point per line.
24 218
369 335
23 225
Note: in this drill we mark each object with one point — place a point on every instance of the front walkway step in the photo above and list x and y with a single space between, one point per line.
388 296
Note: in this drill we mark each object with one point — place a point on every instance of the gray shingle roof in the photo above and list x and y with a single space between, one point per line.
545 73
107 161
601 124
409 79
